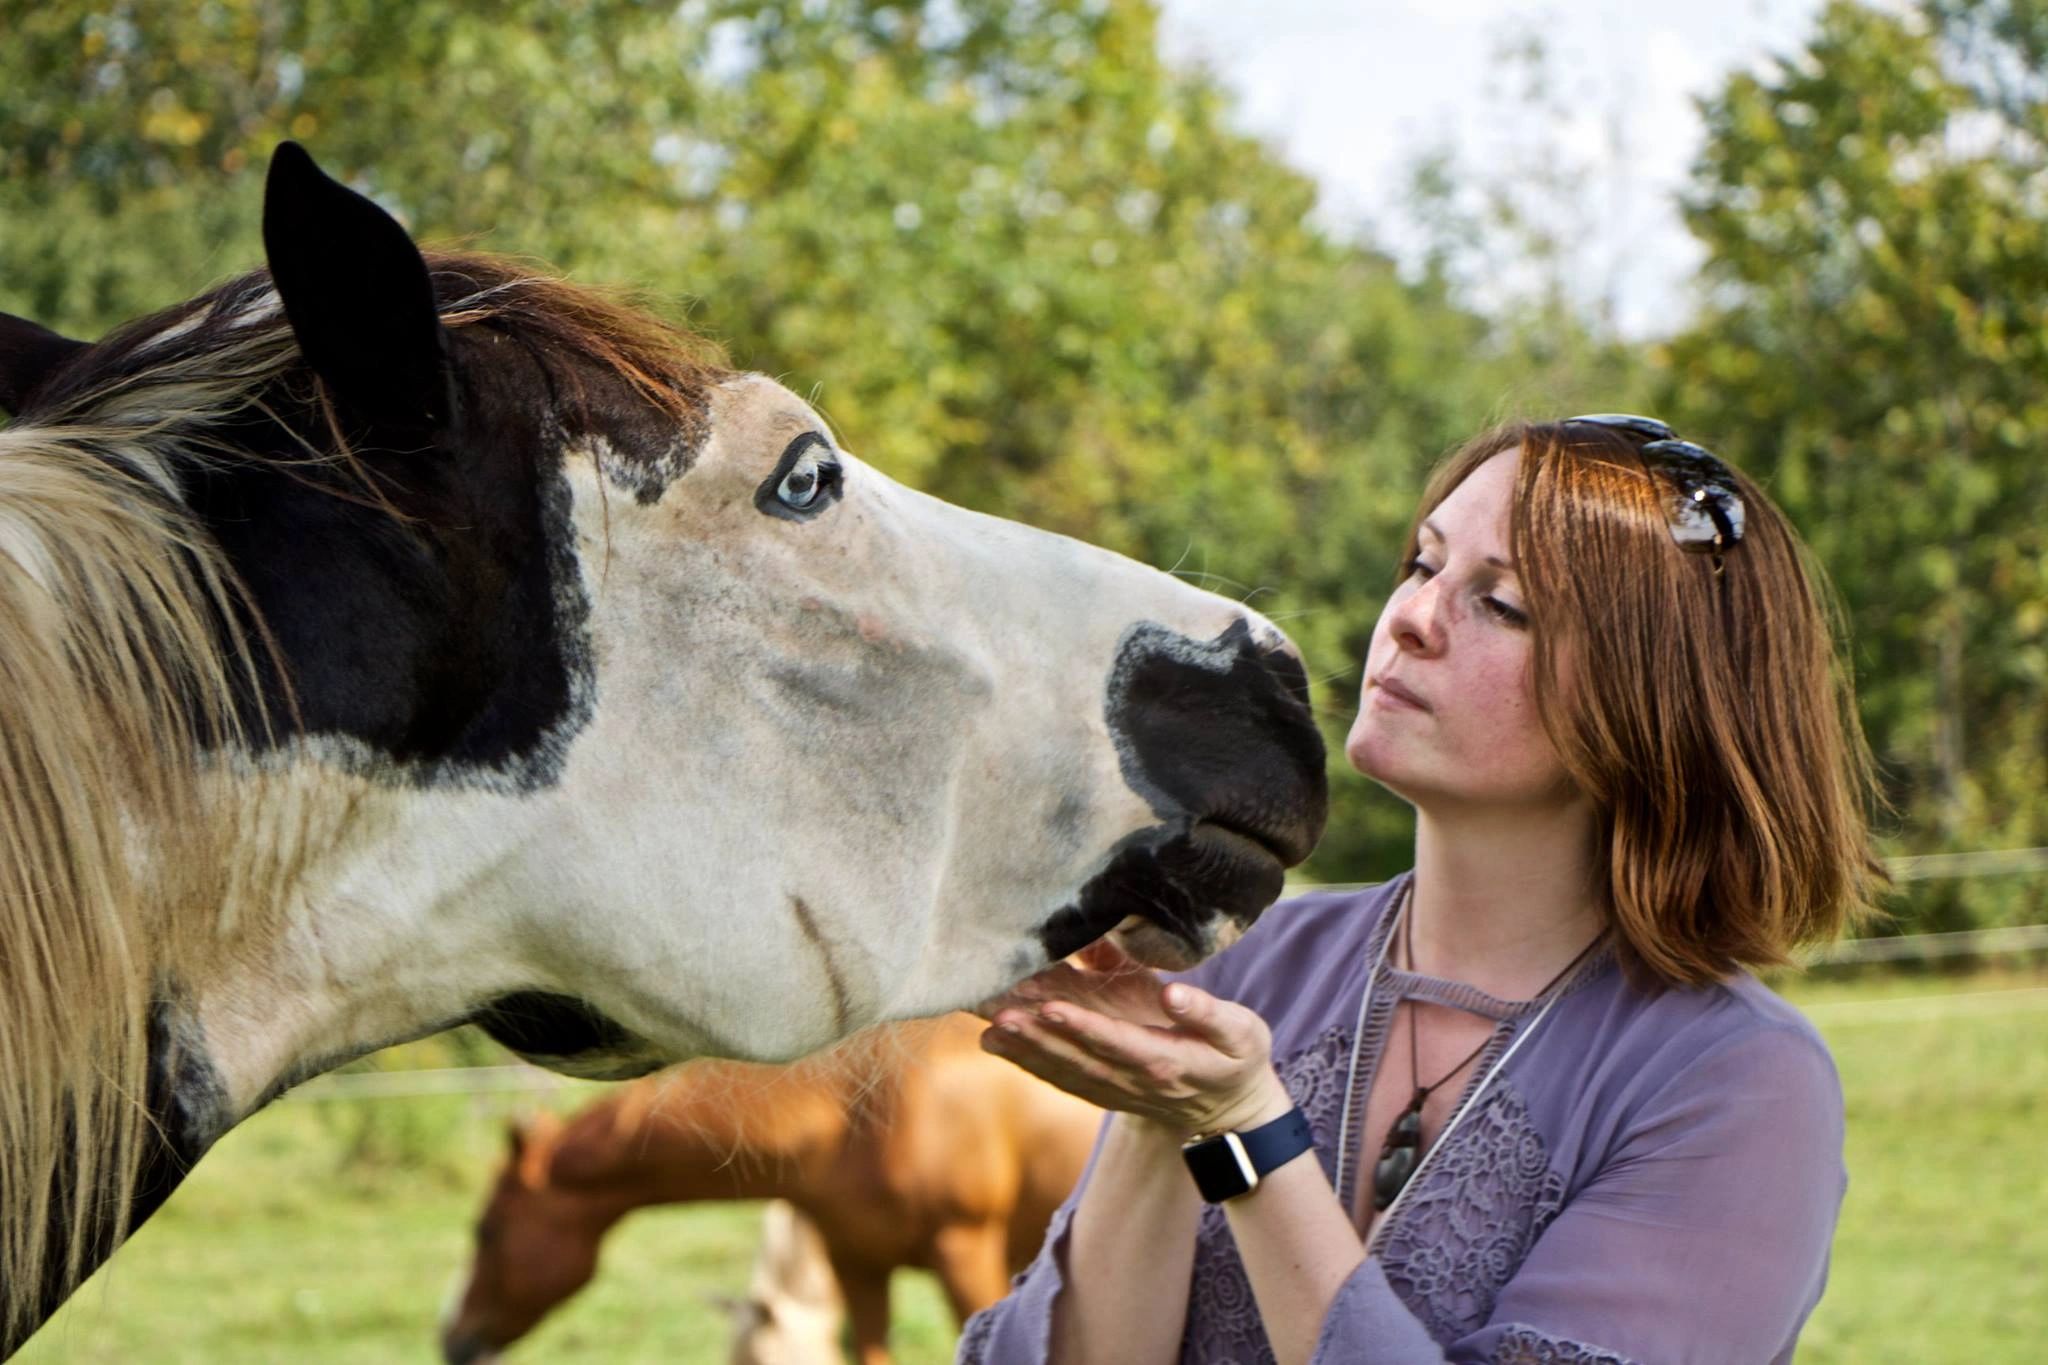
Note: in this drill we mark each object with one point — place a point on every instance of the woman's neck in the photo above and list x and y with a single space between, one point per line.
1504 898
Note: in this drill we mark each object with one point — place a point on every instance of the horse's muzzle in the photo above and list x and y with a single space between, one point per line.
1218 738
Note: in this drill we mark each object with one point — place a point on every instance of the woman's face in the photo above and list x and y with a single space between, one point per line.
1446 716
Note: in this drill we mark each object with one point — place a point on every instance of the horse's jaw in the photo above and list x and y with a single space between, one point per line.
368 911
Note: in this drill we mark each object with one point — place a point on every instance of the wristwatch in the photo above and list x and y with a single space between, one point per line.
1230 1164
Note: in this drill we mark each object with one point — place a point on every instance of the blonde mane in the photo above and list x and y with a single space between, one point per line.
128 655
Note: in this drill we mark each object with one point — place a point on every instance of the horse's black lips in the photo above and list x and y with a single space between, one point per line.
1172 877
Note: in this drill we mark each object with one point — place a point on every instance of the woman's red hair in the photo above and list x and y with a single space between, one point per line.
1706 710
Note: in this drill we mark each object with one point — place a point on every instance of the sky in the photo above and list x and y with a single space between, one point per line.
1352 91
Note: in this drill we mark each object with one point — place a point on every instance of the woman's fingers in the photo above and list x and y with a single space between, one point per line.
1041 1050
1130 994
1231 1029
1161 1062
1147 1054
1175 1076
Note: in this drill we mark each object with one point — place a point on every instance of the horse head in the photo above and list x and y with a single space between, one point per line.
535 1247
532 667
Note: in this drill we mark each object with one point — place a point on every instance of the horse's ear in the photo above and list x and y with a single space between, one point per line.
530 1140
29 354
359 299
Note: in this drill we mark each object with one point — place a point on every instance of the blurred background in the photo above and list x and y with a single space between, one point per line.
1212 284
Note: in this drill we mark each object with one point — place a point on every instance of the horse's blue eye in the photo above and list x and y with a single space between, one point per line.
799 487
805 481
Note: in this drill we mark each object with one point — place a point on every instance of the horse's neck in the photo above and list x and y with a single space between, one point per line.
342 927
714 1130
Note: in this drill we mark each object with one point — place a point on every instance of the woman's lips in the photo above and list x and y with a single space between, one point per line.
1399 694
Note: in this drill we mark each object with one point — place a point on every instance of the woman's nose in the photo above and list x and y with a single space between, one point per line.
1418 624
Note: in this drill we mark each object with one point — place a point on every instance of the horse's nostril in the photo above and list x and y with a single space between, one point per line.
1284 663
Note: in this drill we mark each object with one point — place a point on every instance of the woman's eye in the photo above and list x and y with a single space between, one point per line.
799 488
1418 569
1503 613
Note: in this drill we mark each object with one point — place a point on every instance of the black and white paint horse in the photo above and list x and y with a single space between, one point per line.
389 641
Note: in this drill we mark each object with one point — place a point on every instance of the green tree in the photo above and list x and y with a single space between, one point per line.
1873 345
1019 260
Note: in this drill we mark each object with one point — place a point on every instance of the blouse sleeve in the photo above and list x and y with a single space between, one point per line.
1702 1238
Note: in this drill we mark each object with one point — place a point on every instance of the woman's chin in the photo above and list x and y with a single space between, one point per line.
1372 759
1372 752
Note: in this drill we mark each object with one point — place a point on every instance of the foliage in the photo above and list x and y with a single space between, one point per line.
1020 261
1873 344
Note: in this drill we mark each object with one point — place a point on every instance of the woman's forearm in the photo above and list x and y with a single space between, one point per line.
1130 1254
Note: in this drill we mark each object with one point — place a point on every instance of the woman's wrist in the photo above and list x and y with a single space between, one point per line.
1260 1103
1267 1099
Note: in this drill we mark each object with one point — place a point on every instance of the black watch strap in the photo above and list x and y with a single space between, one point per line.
1230 1164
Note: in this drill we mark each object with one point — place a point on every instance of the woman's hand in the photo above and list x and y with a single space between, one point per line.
1110 1033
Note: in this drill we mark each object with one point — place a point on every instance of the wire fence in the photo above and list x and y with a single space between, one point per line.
1908 948
1987 863
1963 943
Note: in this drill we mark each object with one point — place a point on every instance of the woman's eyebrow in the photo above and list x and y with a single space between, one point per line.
1495 560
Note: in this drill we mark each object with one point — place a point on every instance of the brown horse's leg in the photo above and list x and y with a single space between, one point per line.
973 1263
866 1287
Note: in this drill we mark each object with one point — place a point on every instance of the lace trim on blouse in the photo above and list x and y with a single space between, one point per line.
1469 1221
1474 1212
1460 1236
1527 1346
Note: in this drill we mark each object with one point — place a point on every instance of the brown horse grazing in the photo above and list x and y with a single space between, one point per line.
907 1147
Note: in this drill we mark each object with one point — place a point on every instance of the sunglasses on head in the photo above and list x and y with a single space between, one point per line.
1703 505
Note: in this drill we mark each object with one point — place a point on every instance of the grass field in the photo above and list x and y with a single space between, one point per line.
332 1232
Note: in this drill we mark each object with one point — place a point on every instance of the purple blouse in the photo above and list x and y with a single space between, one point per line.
1652 1176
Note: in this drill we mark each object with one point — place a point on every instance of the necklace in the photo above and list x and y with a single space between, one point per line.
1403 1147
1402 1156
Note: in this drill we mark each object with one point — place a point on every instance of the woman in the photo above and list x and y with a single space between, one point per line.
1554 1117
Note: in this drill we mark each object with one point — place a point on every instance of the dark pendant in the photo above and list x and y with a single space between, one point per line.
1398 1158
